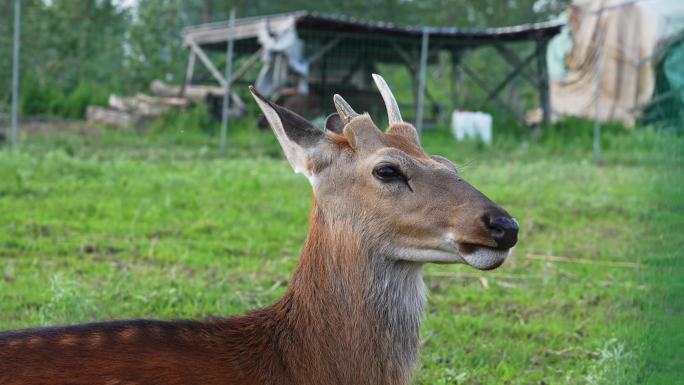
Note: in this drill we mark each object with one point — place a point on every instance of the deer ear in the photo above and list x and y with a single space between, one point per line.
334 123
296 135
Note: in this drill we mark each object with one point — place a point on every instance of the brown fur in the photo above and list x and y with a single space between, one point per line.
339 140
406 145
286 343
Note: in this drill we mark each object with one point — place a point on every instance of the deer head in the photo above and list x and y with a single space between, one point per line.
395 198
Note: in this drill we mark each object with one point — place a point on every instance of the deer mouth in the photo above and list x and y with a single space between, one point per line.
482 257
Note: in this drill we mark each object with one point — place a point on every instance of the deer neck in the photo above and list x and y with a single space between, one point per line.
346 294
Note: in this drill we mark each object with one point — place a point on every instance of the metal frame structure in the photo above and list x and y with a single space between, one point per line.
413 47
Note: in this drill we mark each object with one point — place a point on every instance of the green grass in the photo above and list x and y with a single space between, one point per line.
100 224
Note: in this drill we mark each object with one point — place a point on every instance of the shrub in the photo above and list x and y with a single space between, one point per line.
45 97
39 97
74 105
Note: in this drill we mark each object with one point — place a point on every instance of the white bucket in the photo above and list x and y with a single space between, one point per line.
470 124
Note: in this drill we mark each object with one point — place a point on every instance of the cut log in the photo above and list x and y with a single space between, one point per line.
197 94
109 116
174 102
145 105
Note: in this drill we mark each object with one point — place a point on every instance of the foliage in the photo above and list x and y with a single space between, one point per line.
38 99
66 47
47 98
155 44
115 224
196 118
84 95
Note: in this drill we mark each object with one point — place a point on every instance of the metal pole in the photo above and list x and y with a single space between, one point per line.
597 105
421 81
455 81
15 72
543 73
228 74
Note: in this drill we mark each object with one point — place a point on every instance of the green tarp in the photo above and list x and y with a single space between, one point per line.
668 100
673 66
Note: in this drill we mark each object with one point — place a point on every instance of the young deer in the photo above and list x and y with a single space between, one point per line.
382 208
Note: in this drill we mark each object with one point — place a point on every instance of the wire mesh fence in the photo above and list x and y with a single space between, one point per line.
460 75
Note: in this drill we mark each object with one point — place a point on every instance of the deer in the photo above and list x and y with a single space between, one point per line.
382 208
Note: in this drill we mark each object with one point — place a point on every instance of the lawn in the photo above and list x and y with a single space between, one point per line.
100 224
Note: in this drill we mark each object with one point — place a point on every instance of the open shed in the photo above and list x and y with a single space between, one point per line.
316 55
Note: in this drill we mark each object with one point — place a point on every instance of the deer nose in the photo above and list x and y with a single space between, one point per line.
503 230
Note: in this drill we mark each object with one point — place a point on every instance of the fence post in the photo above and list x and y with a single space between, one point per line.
421 81
228 75
15 72
597 104
543 73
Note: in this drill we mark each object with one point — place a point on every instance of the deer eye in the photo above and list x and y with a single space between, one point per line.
387 173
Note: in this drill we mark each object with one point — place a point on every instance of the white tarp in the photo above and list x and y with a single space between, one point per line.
623 35
280 51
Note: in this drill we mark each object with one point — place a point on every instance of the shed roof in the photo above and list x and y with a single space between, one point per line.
213 34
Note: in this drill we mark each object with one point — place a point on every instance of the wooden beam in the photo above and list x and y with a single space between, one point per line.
237 101
404 56
353 69
482 84
207 63
318 54
190 70
512 58
508 78
215 73
246 66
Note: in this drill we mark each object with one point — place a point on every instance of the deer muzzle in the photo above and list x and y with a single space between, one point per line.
495 233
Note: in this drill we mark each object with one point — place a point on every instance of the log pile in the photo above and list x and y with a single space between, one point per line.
198 94
127 111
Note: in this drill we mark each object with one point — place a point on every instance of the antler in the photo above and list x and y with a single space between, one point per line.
344 109
390 102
